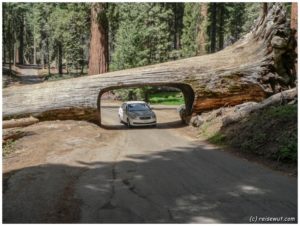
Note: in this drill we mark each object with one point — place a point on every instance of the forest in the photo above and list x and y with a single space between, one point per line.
72 39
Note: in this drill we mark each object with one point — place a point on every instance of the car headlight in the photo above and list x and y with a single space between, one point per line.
153 116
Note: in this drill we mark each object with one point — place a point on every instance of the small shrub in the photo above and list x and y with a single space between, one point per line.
8 147
288 149
217 138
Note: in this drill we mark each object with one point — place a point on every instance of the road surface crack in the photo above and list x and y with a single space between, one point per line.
108 204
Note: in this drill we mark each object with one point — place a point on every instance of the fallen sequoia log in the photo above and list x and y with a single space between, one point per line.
255 67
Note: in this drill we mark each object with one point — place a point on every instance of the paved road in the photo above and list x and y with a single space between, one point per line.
153 175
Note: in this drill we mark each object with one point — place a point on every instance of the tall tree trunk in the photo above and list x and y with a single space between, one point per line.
213 27
34 47
4 33
202 36
221 26
43 59
82 61
10 59
16 54
98 58
21 40
294 27
178 9
294 16
60 68
265 8
48 56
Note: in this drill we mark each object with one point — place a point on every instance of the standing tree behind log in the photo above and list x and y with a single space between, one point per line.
98 60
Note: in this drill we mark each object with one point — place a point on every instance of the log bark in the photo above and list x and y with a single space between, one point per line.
252 69
22 122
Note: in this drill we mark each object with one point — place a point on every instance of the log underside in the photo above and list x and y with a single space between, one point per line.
255 67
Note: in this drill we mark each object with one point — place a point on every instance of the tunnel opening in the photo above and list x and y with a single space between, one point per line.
183 112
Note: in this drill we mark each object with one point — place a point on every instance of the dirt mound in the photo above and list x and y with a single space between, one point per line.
44 140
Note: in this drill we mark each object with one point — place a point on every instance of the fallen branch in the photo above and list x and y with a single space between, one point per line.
19 122
243 110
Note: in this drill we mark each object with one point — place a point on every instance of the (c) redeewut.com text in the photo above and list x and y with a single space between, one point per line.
256 219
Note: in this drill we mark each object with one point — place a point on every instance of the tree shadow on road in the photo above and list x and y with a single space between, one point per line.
179 185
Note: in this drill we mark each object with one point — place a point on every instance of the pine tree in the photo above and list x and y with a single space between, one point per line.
236 20
191 26
143 36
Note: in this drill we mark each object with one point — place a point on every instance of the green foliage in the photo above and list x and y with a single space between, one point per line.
191 24
271 132
143 35
283 113
288 148
252 12
236 19
70 28
46 25
139 33
166 98
217 138
130 94
8 147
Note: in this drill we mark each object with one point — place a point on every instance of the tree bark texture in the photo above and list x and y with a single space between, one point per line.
4 40
252 69
294 16
21 41
98 59
60 66
34 46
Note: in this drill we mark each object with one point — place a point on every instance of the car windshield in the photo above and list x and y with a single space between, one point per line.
138 107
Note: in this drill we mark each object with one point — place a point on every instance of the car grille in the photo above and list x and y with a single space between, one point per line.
145 117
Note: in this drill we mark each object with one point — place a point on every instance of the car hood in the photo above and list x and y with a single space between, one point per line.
142 113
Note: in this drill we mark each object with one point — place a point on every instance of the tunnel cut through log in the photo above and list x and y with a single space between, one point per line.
187 91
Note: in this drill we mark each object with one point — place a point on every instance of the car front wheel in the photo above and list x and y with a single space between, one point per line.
128 123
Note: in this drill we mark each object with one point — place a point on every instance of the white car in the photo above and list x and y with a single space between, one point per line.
137 113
